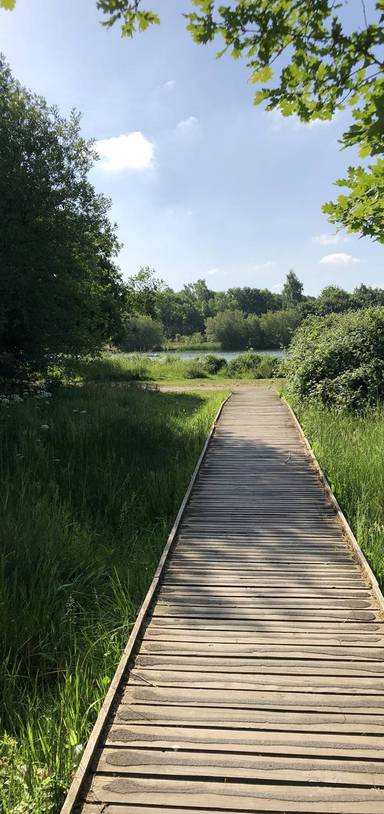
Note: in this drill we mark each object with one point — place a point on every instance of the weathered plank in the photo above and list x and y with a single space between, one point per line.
254 797
253 719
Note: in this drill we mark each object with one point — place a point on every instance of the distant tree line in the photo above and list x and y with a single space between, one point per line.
236 319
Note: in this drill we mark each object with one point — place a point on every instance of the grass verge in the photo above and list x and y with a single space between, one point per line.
134 367
91 482
350 450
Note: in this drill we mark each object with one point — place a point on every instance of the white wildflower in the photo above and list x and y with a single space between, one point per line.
44 427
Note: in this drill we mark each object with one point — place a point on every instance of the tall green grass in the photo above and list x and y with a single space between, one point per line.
171 368
350 450
90 483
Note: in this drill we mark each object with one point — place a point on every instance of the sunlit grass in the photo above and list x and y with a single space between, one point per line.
120 367
350 450
90 483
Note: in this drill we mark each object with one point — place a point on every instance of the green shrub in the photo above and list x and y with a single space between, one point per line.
141 333
254 365
212 364
244 364
269 367
339 359
195 369
229 328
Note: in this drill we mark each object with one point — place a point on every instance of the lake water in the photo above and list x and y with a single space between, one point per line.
224 354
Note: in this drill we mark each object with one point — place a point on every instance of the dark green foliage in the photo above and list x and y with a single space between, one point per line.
292 291
142 293
333 300
252 300
253 365
229 328
278 327
339 359
114 368
213 364
141 334
60 290
364 296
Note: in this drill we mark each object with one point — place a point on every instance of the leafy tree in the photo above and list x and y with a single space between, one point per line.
292 290
199 295
364 296
316 65
333 300
229 328
255 300
278 327
60 290
254 332
143 291
141 333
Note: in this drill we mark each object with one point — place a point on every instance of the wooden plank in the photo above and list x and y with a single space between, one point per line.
259 627
256 699
171 636
232 682
235 796
251 767
204 599
258 666
238 718
199 611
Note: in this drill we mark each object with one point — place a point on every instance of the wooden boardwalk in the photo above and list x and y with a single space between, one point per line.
257 680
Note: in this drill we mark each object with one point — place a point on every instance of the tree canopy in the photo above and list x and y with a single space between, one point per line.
309 63
60 290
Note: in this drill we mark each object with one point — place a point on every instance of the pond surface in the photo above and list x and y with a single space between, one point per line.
224 354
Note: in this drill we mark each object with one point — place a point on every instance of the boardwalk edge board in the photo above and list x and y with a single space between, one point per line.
80 776
351 539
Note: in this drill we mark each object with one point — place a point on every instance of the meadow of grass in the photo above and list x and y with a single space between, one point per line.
91 480
350 450
171 369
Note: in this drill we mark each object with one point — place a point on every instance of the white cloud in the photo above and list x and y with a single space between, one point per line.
130 151
327 240
211 272
170 85
188 124
339 259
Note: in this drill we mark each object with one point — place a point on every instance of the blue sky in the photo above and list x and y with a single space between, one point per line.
203 183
